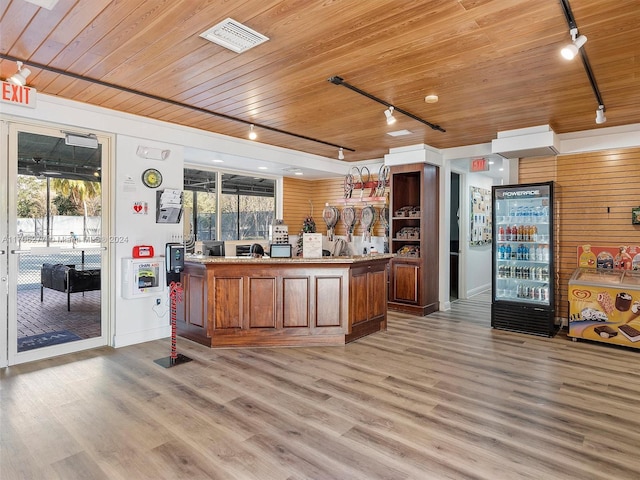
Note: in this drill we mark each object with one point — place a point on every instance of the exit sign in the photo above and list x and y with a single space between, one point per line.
479 165
18 95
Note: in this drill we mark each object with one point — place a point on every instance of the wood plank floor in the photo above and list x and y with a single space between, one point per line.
443 396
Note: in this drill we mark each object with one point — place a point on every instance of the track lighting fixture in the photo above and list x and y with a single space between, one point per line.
340 154
20 77
252 134
389 114
25 72
600 118
571 50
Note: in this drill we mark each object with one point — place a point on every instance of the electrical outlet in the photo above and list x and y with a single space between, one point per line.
158 301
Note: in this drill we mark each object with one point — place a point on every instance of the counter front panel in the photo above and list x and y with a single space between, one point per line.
283 302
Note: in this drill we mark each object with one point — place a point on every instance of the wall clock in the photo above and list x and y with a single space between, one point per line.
152 178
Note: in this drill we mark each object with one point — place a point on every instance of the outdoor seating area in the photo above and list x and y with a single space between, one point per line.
67 279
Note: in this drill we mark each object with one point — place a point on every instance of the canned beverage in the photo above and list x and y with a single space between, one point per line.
544 293
545 273
537 292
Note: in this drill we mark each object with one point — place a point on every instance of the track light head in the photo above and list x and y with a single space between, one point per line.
600 118
252 133
389 114
20 77
340 154
571 50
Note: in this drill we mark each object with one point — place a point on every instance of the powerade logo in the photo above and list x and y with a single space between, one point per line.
521 193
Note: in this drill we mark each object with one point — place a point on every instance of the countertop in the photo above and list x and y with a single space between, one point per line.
326 260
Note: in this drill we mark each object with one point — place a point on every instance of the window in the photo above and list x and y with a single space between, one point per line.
245 210
201 202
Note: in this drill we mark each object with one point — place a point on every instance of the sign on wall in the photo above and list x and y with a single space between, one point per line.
18 95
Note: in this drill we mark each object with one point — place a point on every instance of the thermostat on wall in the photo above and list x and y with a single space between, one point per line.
142 251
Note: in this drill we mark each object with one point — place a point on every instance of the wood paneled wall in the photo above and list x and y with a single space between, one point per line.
304 197
595 193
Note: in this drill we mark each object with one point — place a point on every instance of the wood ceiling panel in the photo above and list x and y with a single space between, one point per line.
494 64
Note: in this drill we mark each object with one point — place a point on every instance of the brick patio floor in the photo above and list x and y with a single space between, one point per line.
51 315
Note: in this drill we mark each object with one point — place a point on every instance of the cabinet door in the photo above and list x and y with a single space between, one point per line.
406 284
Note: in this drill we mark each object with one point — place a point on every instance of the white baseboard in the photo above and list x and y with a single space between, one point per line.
133 338
478 290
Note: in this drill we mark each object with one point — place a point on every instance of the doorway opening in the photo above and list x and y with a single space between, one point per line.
454 238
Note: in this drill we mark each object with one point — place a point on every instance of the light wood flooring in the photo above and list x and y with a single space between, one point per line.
443 396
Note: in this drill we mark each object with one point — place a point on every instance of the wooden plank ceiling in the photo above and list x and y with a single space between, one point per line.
494 64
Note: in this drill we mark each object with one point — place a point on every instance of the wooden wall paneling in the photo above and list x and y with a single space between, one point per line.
297 194
595 194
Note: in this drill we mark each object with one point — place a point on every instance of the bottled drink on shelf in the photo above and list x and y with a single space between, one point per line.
501 234
514 233
507 233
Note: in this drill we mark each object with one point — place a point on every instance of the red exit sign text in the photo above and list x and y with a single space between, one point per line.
18 95
479 165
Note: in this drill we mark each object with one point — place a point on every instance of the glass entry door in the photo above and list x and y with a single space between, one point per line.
55 242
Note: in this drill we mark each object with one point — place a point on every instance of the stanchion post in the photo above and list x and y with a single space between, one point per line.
175 296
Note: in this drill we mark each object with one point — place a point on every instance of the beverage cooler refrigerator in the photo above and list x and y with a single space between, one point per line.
522 259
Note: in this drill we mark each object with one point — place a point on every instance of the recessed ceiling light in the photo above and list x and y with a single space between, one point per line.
399 133
431 98
298 173
217 161
263 168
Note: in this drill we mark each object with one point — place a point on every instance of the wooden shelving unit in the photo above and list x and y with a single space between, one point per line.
413 237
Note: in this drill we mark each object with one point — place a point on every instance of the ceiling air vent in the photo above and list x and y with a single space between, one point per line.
234 36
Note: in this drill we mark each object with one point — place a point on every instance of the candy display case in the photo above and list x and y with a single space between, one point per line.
604 306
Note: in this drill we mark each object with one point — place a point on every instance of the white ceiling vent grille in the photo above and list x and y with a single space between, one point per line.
234 36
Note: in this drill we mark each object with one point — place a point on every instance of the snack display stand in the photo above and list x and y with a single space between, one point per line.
604 306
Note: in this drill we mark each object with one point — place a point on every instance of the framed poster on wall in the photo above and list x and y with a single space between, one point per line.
480 229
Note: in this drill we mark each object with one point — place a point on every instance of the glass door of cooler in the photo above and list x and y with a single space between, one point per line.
522 250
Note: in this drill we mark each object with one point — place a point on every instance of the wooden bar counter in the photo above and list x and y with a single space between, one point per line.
240 302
